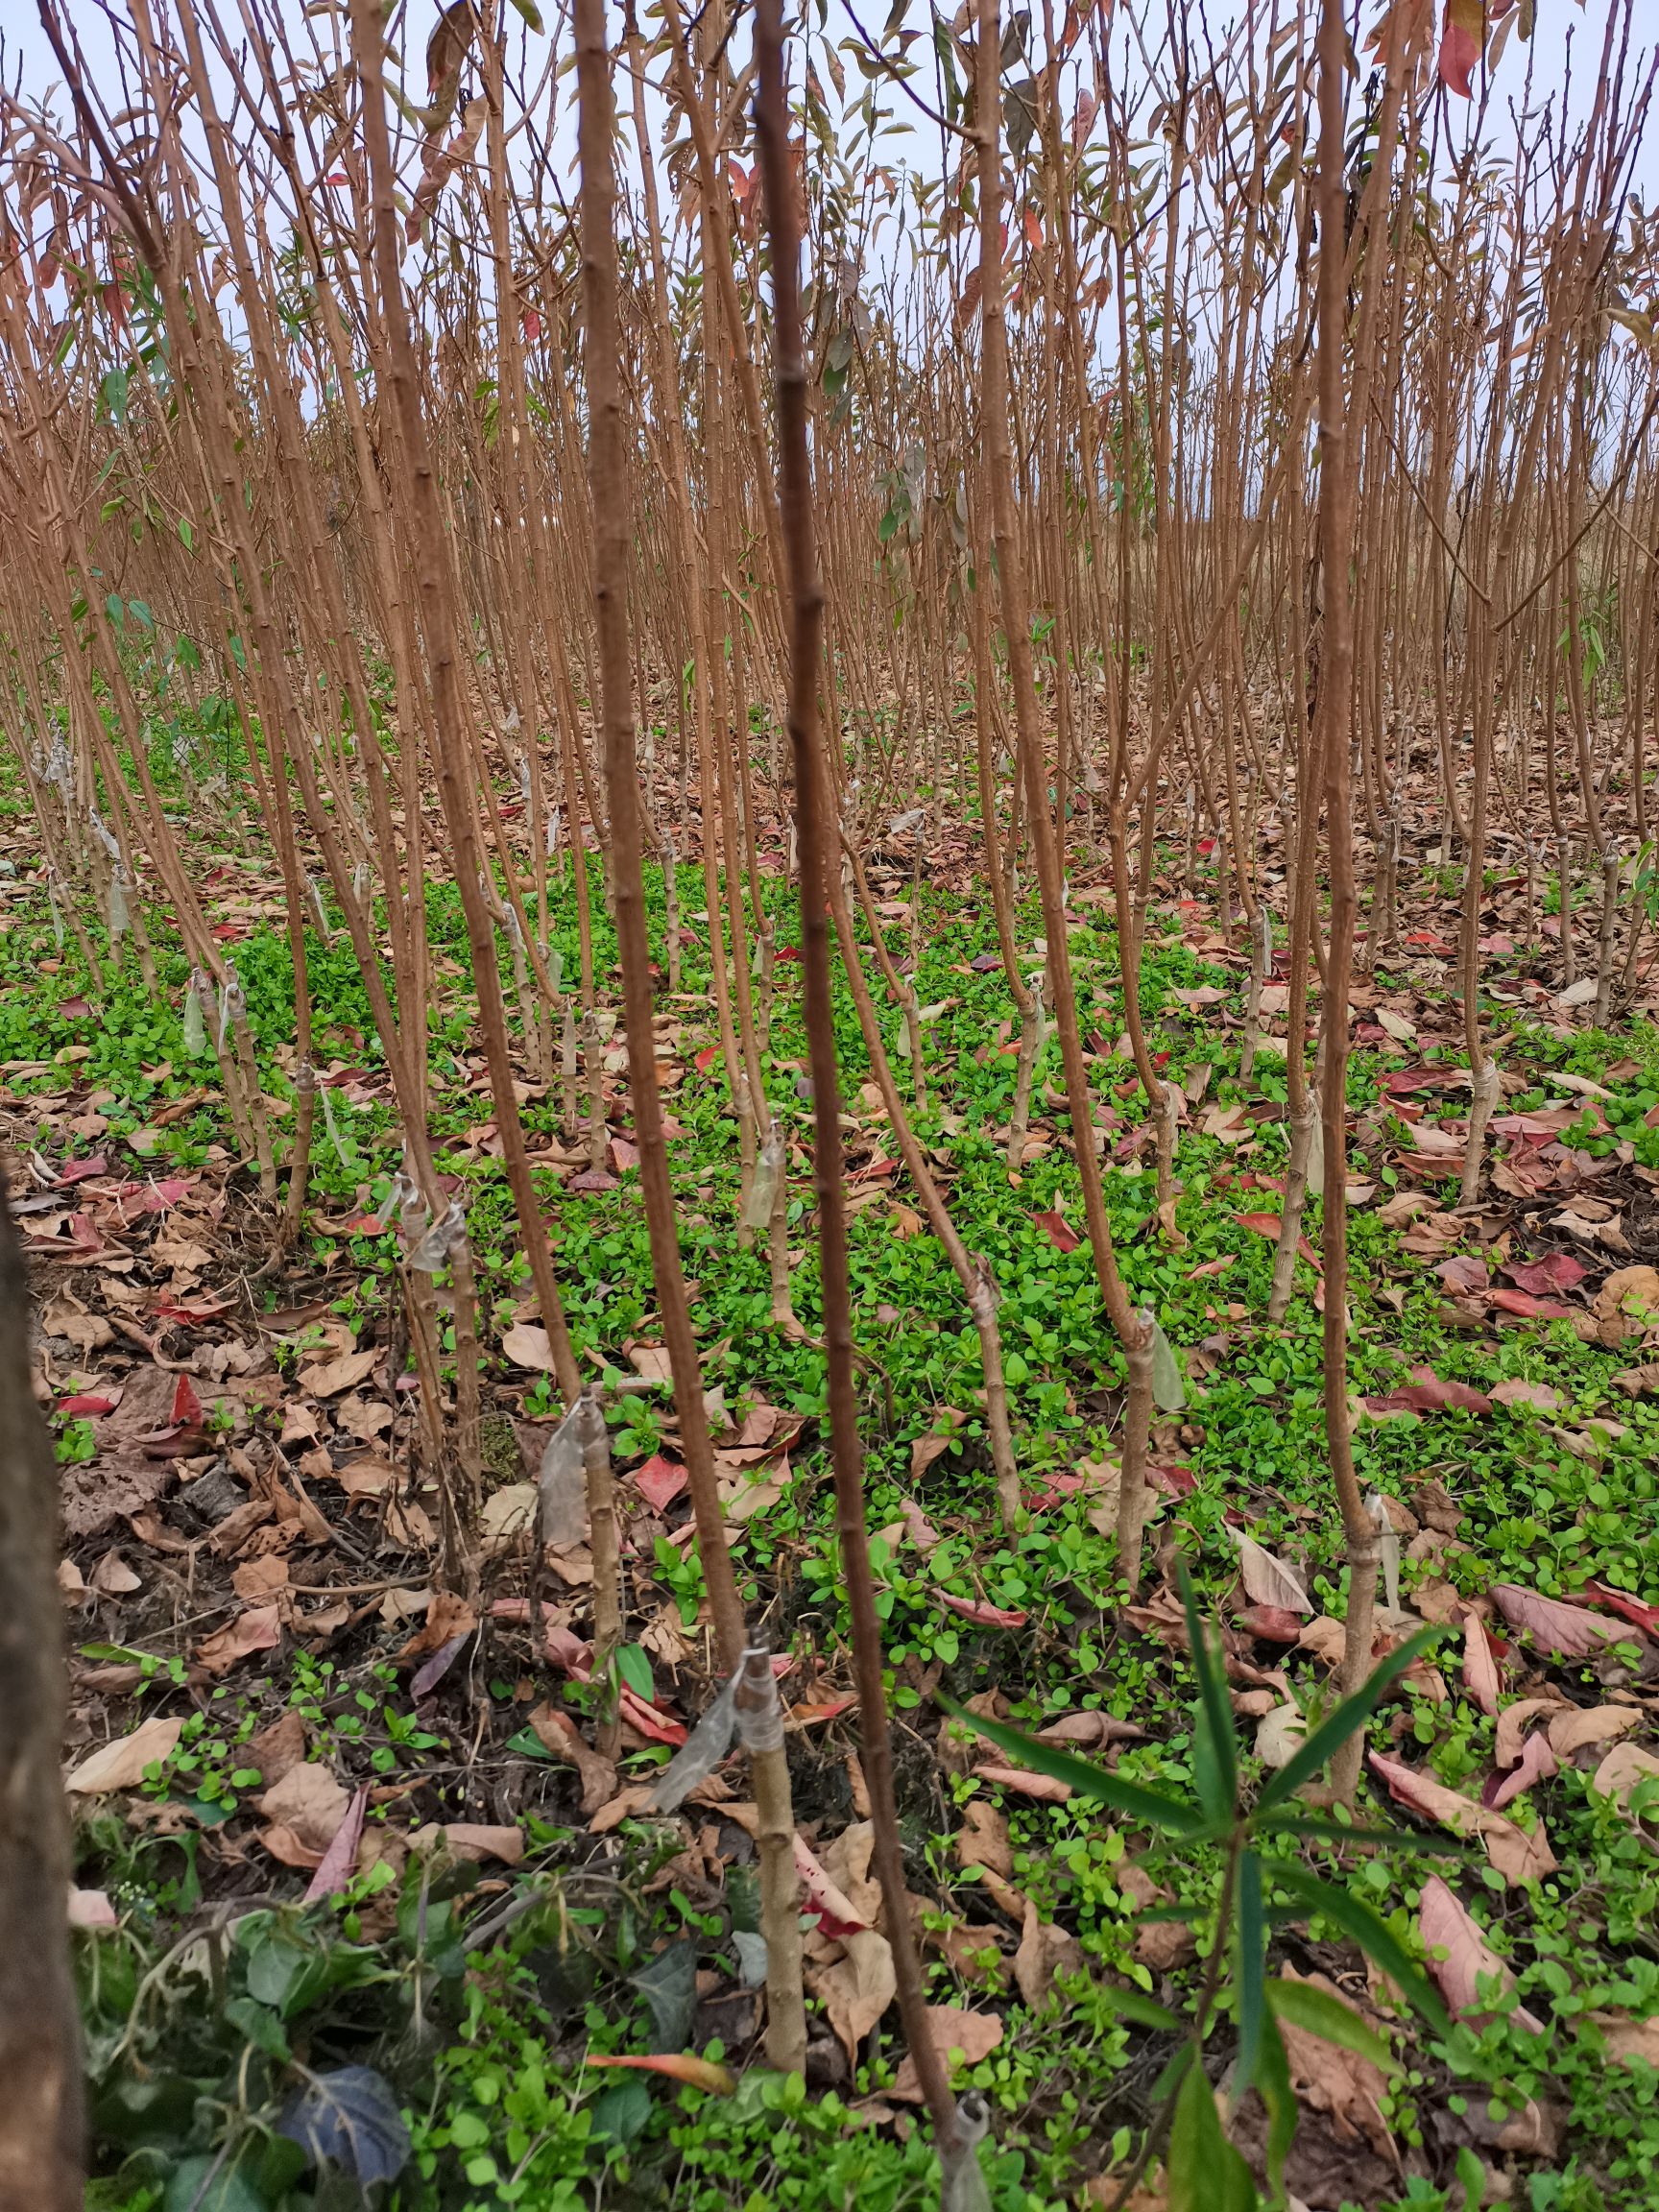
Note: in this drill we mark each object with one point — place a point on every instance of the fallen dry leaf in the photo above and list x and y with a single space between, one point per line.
1333 2080
983 1838
1536 1763
527 1344
1046 1788
1480 1676
1627 2039
307 1807
1517 1856
340 1860
469 1840
258 1630
558 1734
1580 1727
856 1988
1445 1925
975 2035
1570 1632
120 1764
1045 1951
327 1378
1623 1770
1267 1580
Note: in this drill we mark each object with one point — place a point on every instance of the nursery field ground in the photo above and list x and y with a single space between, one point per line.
258 1594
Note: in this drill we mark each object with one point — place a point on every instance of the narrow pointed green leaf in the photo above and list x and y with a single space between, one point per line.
1377 1941
1273 2081
1284 1822
1324 2015
1335 1730
1130 1799
1173 2074
1216 1759
1203 2173
1144 2010
1252 1960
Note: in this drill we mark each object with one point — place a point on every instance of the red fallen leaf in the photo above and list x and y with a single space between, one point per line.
1173 1481
789 952
871 1170
511 813
804 1715
706 1058
1211 1266
679 2066
1570 1632
1058 1231
1429 1393
335 1868
1533 1308
656 1727
75 1008
1430 938
1463 1271
530 322
1446 1924
86 1233
592 1179
1271 1624
87 1406
79 1171
1480 1673
1536 1763
623 1153
1044 1786
228 932
186 1406
1261 1224
158 1197
1627 1608
432 1671
983 1616
982 963
197 1309
660 1482
1555 1271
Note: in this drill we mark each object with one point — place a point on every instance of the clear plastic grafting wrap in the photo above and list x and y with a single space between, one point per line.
515 935
1387 1550
360 881
56 915
319 912
442 1240
763 1186
101 830
330 1124
962 2178
195 1027
746 1708
117 907
563 1478
555 823
233 1002
405 1199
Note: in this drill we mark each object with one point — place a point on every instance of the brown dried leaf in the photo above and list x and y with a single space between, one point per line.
309 1804
953 2030
1444 1924
120 1764
983 1838
1578 1728
856 1988
1517 1856
1333 2080
1045 1951
258 1630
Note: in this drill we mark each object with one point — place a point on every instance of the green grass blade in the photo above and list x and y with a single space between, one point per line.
1252 1967
1215 1755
